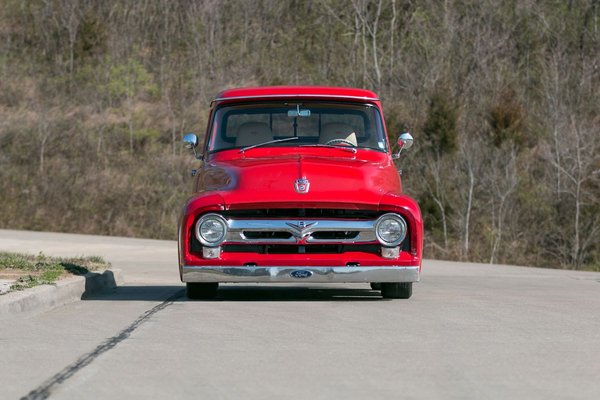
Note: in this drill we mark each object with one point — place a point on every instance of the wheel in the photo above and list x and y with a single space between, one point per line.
376 285
201 290
396 290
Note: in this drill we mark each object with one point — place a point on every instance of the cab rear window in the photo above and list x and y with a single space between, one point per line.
240 125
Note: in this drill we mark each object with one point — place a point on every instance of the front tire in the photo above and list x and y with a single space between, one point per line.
201 290
396 290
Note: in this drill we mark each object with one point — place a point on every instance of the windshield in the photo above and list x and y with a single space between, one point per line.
306 123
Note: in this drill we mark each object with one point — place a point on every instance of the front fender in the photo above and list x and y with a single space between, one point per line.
409 209
195 206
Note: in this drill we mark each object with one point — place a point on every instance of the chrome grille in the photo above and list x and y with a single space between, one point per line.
300 231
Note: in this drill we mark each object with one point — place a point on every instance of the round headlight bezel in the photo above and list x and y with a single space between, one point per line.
394 217
211 217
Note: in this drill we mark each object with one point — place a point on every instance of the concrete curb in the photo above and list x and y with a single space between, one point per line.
46 297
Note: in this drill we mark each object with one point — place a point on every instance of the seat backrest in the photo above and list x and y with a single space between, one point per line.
251 133
337 131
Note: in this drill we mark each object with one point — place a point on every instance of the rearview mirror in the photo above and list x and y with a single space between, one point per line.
405 141
299 112
191 142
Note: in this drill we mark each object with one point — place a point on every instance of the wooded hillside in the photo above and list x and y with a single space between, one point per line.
502 98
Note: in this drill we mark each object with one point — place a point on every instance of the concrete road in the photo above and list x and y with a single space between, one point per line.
470 331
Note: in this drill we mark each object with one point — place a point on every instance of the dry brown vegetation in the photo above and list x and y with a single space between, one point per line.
501 96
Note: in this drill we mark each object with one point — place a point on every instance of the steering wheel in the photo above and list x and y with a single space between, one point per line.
340 141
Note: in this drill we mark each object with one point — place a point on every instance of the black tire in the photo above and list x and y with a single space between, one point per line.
396 290
201 290
376 285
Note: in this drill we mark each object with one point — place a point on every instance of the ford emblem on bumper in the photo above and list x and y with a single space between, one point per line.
301 274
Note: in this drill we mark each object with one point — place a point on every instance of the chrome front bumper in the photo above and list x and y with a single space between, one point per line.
304 274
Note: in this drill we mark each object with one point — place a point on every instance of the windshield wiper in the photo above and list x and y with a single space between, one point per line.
243 149
350 149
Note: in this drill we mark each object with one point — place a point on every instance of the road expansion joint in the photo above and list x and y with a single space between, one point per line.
45 389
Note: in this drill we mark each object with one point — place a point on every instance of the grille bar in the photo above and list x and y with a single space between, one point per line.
297 231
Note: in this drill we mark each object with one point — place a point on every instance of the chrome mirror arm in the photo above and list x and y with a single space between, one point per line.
198 156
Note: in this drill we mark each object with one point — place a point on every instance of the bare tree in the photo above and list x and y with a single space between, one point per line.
466 177
579 152
501 179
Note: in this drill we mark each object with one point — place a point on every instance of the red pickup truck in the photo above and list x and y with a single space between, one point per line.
298 184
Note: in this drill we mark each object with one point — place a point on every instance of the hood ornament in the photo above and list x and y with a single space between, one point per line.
302 185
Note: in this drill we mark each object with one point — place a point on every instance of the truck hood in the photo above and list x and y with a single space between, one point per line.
349 180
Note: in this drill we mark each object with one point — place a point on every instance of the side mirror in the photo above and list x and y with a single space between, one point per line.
191 142
405 141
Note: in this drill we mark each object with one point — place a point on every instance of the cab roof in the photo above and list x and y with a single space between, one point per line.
285 92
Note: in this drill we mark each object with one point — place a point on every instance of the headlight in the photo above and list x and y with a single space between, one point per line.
390 229
211 230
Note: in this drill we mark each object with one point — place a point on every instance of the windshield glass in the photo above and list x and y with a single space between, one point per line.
311 122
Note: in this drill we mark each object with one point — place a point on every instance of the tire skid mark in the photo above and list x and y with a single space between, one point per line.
45 389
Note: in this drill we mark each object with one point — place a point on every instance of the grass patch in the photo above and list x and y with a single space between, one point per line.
29 270
592 267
